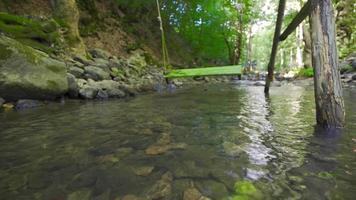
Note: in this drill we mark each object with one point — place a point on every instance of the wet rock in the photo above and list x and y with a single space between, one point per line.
27 103
88 92
110 158
112 88
2 101
102 94
84 179
232 149
99 53
144 171
162 188
27 73
76 71
212 189
96 73
122 152
193 194
84 194
147 131
83 60
73 91
163 145
103 196
162 127
188 168
132 197
295 179
129 89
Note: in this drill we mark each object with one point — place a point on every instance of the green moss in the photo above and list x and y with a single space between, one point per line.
325 175
245 190
43 35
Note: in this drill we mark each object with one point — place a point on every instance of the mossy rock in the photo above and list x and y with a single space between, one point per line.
41 34
245 190
26 73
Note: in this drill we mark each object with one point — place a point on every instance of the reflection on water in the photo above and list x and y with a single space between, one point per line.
196 141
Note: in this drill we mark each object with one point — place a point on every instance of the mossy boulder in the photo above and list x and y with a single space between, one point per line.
41 34
26 73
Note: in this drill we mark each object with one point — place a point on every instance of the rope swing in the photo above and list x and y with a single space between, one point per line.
165 56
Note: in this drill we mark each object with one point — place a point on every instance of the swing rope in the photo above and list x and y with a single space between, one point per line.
165 56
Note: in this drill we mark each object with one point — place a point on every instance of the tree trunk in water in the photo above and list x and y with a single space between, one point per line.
327 84
277 32
67 12
307 47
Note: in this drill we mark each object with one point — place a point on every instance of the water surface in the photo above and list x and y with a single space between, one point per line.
217 135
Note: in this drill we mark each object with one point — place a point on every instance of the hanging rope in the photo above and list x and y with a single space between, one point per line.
165 56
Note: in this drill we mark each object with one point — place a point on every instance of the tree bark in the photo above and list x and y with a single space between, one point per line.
327 84
67 12
281 7
307 46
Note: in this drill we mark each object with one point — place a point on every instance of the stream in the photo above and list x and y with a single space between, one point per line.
155 146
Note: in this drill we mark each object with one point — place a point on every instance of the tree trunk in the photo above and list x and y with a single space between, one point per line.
67 12
327 84
299 55
307 47
277 32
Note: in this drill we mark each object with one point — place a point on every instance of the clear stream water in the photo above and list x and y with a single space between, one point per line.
227 133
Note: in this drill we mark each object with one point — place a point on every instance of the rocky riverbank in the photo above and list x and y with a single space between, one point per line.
27 73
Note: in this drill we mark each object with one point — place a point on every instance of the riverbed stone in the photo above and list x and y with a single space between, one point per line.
26 73
132 197
231 149
162 188
213 189
27 103
84 194
73 91
144 170
193 193
163 145
96 73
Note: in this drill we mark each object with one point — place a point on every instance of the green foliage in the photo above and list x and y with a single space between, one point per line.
306 72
